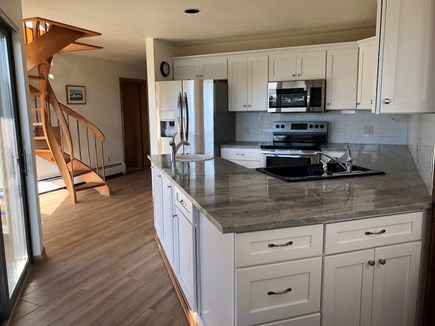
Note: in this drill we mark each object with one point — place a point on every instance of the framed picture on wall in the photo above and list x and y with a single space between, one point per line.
75 94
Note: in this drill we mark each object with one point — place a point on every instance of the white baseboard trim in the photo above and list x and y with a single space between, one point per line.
56 182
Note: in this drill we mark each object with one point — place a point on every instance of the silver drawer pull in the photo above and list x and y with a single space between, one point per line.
280 292
272 245
372 233
240 154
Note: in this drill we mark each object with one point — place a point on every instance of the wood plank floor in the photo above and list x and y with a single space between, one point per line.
103 265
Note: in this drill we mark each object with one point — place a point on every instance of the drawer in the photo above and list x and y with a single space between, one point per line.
372 232
278 291
241 154
184 204
270 246
308 320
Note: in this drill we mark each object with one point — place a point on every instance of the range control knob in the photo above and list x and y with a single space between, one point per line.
322 126
276 126
310 126
316 126
282 126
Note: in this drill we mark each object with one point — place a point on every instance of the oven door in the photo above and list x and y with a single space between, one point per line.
271 158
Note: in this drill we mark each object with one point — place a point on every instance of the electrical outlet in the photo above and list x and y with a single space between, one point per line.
368 130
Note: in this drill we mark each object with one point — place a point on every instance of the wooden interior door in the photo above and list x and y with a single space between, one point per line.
135 123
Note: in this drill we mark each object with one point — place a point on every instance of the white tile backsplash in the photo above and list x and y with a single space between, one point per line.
421 142
343 128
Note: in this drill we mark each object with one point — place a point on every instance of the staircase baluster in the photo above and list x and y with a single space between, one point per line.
78 139
104 165
89 149
96 152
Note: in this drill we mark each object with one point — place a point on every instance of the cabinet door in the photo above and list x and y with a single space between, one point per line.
311 65
282 67
396 285
341 79
257 83
157 201
366 77
186 69
186 258
347 289
213 68
238 84
167 238
407 41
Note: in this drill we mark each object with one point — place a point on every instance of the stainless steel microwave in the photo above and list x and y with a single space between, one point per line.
297 96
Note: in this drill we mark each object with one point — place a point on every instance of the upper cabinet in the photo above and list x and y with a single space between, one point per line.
247 83
366 74
406 76
297 65
204 68
341 79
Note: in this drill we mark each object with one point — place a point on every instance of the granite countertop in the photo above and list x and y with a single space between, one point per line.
237 199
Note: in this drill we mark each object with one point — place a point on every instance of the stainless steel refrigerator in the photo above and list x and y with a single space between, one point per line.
199 110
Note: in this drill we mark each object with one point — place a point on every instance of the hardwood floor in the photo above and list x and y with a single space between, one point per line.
103 266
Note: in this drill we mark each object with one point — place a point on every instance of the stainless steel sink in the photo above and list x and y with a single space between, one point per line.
315 172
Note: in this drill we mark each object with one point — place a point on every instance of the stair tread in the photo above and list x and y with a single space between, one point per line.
89 185
39 138
37 124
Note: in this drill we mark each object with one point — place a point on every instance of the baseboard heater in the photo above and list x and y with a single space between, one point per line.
56 182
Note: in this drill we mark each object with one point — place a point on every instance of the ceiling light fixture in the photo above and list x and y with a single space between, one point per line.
192 11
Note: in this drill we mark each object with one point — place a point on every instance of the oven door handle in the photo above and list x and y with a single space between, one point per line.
288 155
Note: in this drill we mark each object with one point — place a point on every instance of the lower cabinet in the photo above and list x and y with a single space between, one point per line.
278 291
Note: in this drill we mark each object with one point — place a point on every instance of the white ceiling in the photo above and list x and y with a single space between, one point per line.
125 24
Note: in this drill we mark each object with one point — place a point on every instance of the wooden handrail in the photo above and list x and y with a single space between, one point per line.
83 120
86 32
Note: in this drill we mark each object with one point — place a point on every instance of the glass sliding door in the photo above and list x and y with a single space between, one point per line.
14 241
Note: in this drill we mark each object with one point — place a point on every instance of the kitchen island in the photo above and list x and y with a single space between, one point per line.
229 233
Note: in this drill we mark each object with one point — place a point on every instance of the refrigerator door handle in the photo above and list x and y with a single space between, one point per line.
186 136
180 116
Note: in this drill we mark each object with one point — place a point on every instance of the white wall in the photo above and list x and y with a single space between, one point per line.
421 143
156 52
14 12
103 101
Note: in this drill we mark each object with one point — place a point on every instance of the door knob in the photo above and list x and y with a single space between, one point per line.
387 101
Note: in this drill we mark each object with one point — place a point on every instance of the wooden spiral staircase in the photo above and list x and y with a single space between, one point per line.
62 136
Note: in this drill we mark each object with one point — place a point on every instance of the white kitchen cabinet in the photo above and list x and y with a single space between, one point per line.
157 184
167 234
341 79
204 68
247 83
366 74
297 65
247 157
376 287
378 284
278 291
406 81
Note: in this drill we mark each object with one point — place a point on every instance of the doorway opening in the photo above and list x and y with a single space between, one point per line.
135 127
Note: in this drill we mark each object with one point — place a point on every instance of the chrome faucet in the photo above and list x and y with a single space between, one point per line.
176 147
346 166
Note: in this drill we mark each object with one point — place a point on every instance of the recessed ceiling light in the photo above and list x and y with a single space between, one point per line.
192 11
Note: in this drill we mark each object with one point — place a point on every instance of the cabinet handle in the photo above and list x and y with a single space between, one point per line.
387 101
174 216
371 262
294 75
197 76
272 245
202 76
244 105
159 176
358 103
249 105
167 187
279 292
181 201
328 103
379 232
299 75
382 261
240 154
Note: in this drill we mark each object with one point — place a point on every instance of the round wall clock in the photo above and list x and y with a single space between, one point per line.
165 69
